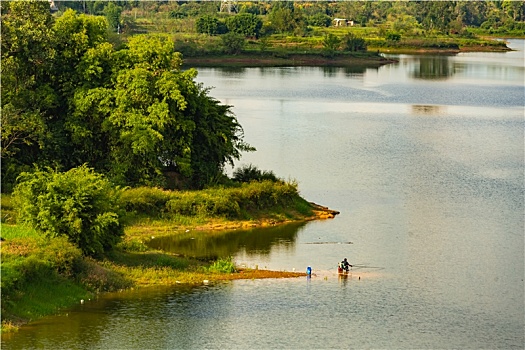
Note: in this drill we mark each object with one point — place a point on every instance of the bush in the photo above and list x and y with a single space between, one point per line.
210 25
330 44
99 278
144 200
233 43
353 43
223 266
250 172
391 36
246 24
232 202
319 20
79 204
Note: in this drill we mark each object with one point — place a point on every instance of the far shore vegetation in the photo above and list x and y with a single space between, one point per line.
124 144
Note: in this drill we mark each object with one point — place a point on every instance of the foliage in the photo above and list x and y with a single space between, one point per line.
30 261
319 20
233 43
210 25
331 44
393 36
129 112
250 172
96 277
353 43
25 95
147 200
246 24
233 203
79 204
225 265
112 13
264 193
283 17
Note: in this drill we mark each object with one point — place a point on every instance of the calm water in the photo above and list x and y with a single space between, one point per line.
425 160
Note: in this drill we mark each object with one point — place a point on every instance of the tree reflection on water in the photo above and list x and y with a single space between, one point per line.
433 67
219 244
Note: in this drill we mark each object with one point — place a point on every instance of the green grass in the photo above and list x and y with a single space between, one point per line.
17 231
42 296
36 275
7 213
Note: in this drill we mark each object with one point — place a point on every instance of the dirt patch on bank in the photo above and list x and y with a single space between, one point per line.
257 274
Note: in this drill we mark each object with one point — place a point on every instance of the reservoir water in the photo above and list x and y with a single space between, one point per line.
424 159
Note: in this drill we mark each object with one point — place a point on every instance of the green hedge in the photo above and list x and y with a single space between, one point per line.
214 202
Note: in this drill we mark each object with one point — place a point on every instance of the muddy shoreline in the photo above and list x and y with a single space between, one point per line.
290 60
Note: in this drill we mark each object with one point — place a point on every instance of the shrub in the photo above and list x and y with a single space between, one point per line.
27 259
330 44
79 204
63 257
225 265
353 43
220 202
233 43
246 24
393 36
187 48
210 25
319 20
250 172
144 200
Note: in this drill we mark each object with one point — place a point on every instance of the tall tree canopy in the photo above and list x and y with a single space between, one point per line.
69 98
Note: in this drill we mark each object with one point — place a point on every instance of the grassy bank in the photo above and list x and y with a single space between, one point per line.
281 50
42 275
311 49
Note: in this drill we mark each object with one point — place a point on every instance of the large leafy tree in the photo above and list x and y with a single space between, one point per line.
131 113
27 94
246 24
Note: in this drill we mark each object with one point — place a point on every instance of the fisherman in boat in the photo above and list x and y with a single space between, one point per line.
343 265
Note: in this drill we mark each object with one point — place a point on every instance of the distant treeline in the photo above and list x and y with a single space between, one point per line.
294 16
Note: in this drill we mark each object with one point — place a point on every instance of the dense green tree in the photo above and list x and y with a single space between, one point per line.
233 43
131 113
282 19
319 20
331 44
207 24
155 117
514 9
353 43
27 94
79 204
246 24
435 15
112 13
